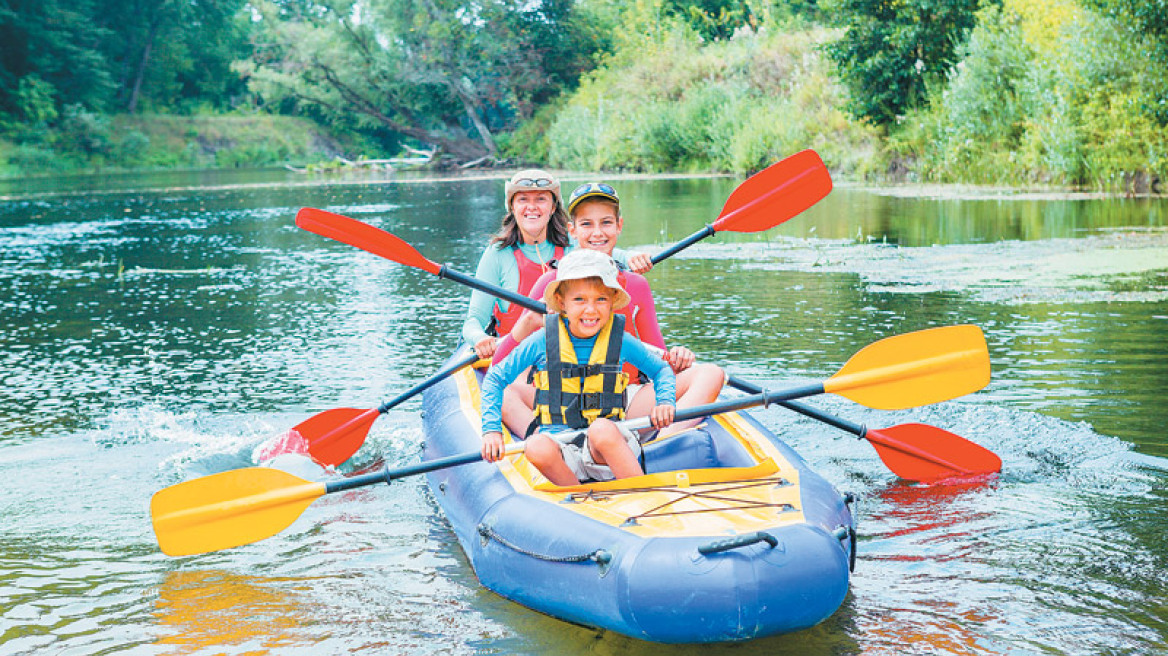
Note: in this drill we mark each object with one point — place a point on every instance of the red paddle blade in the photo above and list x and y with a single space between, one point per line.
333 436
919 452
363 236
775 194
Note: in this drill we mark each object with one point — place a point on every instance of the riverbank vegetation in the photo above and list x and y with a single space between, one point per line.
1070 93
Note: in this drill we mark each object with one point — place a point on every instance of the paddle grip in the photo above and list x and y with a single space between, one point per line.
493 290
684 244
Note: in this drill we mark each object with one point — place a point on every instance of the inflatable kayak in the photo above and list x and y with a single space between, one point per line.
728 536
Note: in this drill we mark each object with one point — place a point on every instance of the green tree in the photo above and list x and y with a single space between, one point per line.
441 72
54 44
892 50
713 19
169 54
1148 19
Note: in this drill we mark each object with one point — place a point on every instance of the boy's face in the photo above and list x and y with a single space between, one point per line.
587 305
596 226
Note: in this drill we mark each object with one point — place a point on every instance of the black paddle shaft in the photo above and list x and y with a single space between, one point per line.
684 243
389 475
470 358
858 430
493 290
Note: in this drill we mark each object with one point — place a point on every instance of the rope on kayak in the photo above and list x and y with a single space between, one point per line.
707 492
599 556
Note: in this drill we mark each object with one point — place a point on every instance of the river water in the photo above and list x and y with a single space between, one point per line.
156 329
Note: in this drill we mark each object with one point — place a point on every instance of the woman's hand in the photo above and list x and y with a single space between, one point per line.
492 446
661 416
680 358
640 262
486 346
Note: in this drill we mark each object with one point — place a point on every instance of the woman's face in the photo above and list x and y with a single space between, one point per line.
533 210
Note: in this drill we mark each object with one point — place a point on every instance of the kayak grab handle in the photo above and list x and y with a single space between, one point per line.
737 542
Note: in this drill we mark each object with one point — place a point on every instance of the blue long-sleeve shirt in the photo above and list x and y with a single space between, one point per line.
533 352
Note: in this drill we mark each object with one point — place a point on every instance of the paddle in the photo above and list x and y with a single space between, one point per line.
390 246
333 436
915 452
777 193
243 506
764 200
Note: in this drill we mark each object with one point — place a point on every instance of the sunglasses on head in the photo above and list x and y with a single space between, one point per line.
538 183
592 188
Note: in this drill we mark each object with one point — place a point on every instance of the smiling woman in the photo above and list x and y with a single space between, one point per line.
517 255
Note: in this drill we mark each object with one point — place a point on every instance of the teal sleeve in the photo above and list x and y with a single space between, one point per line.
621 257
482 305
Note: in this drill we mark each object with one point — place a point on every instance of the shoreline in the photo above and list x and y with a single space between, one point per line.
919 191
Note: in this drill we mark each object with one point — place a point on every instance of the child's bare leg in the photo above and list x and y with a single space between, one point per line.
544 452
609 447
698 385
518 400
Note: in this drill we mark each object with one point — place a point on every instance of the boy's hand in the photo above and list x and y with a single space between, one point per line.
661 415
492 446
640 262
486 346
680 358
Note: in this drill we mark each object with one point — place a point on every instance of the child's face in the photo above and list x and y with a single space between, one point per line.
596 226
587 305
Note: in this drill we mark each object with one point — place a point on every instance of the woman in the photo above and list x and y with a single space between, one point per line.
534 233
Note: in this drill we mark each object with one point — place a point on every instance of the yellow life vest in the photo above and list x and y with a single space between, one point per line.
574 394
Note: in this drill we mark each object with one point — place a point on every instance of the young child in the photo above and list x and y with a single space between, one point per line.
595 222
577 361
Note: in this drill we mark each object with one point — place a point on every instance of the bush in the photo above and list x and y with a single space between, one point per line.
735 105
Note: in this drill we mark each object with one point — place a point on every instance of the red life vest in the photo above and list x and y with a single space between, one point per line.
529 272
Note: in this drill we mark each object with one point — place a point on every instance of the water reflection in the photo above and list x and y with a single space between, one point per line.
203 610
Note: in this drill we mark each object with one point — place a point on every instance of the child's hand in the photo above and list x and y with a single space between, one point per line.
661 415
492 446
640 262
486 346
680 358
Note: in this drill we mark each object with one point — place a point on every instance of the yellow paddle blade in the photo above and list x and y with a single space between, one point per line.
915 369
229 509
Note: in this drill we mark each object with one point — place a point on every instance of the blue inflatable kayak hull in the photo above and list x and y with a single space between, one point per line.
729 537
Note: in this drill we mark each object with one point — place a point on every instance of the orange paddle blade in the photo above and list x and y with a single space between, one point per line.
229 509
363 236
915 369
919 452
775 194
333 436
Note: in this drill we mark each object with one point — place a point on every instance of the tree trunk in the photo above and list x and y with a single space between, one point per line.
466 93
132 106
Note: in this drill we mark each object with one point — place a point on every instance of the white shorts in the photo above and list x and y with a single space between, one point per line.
578 457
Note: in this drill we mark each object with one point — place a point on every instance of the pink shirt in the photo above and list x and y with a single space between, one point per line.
640 313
